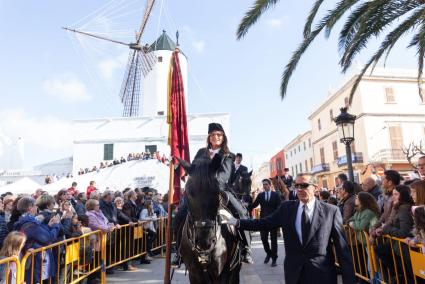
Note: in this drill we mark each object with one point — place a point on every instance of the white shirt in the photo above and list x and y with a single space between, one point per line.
213 152
237 166
309 210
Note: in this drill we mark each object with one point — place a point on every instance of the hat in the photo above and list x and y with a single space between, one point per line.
215 127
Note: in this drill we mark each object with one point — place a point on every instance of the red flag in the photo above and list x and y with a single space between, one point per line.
176 117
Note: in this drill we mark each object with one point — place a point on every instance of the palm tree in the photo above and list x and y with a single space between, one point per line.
366 19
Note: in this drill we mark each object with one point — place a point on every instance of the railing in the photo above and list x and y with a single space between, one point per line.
11 269
320 168
389 155
87 256
388 260
356 157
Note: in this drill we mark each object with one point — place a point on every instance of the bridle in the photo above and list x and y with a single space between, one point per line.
204 255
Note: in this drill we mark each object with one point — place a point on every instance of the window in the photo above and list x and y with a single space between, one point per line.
150 148
301 167
322 155
108 152
331 115
325 183
296 169
309 143
292 170
305 148
396 137
290 152
299 148
389 96
335 150
306 166
311 163
159 58
319 125
286 155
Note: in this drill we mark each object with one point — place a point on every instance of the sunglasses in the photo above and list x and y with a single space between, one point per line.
302 185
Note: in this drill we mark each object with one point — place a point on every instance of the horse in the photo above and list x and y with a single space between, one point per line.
210 250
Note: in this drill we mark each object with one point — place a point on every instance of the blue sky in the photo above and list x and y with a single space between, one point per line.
47 78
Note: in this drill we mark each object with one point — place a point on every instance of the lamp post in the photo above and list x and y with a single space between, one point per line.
345 124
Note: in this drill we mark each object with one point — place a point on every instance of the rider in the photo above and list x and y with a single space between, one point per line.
217 144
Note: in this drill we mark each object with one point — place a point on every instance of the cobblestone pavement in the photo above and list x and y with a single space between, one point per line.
250 273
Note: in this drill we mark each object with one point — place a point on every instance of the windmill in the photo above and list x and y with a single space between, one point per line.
140 61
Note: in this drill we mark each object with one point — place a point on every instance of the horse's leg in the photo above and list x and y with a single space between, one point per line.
234 275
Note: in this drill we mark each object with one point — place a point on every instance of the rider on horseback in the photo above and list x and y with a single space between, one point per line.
217 145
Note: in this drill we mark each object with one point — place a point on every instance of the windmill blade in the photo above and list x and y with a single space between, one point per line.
130 89
147 13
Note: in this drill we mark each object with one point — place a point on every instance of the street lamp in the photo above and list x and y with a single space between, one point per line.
345 124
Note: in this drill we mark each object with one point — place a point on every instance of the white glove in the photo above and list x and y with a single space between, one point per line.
227 218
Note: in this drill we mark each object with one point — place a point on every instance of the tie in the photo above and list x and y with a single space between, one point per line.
267 196
305 225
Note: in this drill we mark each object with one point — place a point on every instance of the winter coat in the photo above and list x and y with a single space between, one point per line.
131 209
145 216
38 235
80 208
363 219
109 210
98 221
400 223
348 208
3 228
122 217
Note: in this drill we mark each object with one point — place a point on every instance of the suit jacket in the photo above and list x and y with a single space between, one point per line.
287 180
313 260
237 173
267 207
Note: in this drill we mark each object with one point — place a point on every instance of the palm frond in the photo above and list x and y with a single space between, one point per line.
311 17
419 41
335 14
388 42
252 16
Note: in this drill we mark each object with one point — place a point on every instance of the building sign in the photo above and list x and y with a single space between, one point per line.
144 181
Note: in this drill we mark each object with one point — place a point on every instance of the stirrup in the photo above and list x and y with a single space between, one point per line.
177 260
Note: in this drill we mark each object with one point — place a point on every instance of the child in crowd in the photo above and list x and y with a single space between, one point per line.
13 245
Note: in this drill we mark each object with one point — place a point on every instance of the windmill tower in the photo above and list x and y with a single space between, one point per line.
155 83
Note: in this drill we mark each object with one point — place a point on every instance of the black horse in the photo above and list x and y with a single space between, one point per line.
242 186
210 250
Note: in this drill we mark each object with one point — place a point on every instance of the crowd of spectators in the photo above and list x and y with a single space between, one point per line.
31 221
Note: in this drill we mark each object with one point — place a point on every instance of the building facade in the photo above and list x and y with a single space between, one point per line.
299 154
390 115
277 164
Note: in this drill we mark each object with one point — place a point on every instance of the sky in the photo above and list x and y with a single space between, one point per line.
49 77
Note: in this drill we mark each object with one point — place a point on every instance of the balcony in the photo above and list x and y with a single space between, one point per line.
320 168
357 157
389 155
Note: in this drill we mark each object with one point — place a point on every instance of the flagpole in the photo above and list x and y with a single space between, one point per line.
168 238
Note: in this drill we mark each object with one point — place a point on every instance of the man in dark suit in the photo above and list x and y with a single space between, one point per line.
310 228
269 201
238 168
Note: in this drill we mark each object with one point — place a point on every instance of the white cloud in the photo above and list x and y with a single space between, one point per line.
46 138
109 66
199 45
68 88
274 23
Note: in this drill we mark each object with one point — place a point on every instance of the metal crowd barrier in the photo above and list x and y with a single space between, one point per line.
11 267
388 260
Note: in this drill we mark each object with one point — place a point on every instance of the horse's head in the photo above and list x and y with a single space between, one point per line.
242 184
203 200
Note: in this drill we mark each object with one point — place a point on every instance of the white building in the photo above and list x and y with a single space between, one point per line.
97 140
390 115
299 154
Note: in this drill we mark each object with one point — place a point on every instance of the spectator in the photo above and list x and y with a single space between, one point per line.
122 160
37 236
417 191
95 195
8 208
369 185
97 221
108 207
148 215
3 224
390 180
367 212
341 178
62 197
80 204
419 229
347 201
324 196
14 215
91 188
130 208
73 189
157 206
421 167
332 200
13 245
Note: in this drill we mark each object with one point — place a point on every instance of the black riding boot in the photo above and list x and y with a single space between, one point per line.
240 211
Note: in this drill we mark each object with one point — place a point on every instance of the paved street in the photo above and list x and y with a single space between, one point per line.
252 274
